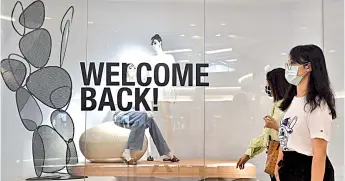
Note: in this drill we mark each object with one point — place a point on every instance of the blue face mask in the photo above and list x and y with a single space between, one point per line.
291 75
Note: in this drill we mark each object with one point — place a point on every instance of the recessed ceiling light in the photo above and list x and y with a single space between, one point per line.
223 63
223 24
6 18
232 36
196 37
245 77
219 51
217 34
178 51
267 67
283 53
231 60
47 18
182 35
192 25
303 28
331 51
90 22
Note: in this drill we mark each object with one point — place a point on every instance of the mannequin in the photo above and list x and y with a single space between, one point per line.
166 94
137 122
131 77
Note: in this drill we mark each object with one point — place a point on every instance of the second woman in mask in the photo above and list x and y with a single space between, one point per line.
276 86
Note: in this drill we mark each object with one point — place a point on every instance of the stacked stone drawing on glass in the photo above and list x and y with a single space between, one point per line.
29 77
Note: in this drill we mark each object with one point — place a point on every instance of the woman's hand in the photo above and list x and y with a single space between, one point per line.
271 123
242 161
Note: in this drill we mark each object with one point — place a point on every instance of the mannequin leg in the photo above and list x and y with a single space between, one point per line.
157 137
137 134
149 151
133 154
166 110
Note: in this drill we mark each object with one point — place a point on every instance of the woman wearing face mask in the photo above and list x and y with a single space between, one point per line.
276 86
305 129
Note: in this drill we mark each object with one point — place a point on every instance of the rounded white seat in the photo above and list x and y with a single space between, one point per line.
106 143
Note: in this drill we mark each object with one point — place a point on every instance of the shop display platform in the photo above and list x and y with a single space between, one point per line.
191 168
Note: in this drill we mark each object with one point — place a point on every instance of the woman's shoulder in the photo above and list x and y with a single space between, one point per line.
278 103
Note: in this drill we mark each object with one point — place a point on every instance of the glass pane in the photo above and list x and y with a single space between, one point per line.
135 32
334 52
40 106
246 39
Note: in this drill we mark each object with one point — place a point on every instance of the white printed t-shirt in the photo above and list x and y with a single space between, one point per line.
299 126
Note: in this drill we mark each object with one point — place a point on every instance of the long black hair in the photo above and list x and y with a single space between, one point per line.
277 82
319 89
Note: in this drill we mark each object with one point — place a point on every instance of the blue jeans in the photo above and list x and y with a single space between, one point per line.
137 122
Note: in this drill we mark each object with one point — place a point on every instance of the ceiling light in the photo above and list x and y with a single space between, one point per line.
90 22
6 18
192 25
47 18
223 62
223 24
303 28
245 77
217 34
182 35
232 36
178 51
219 51
267 68
331 51
231 60
183 61
283 53
231 69
196 37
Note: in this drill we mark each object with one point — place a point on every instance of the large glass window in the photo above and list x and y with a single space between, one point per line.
240 41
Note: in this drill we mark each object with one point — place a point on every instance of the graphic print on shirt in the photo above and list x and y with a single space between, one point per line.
285 130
